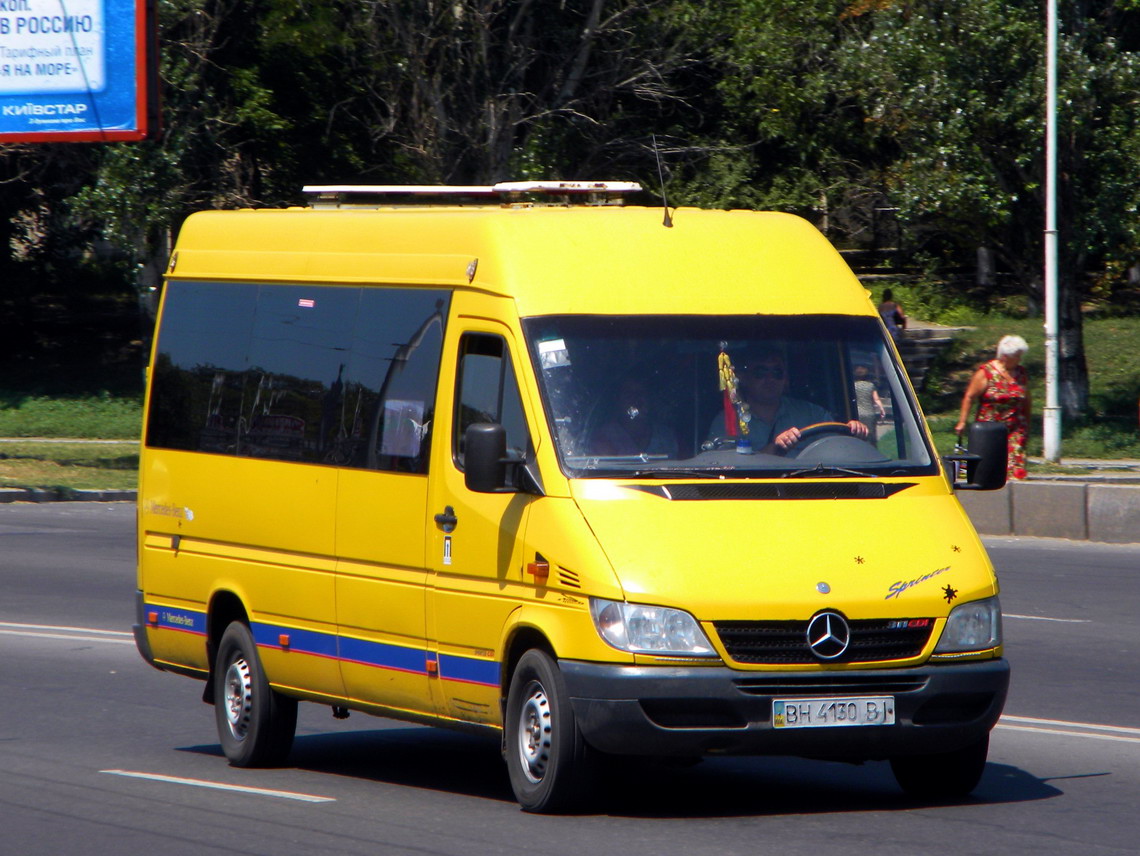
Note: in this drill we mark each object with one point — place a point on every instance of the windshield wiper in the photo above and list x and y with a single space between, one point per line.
826 472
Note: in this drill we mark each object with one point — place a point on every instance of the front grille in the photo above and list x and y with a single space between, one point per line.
776 643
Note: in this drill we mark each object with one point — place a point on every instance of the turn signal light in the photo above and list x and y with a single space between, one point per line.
540 570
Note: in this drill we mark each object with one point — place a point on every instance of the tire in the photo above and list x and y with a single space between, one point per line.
548 761
255 724
946 775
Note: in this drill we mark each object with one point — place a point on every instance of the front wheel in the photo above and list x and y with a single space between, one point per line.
255 724
547 759
945 775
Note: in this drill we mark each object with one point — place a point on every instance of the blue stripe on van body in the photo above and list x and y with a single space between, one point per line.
300 641
469 670
182 620
380 655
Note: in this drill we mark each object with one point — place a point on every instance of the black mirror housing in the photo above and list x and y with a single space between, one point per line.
985 458
484 460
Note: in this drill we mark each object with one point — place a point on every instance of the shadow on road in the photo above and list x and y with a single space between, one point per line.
433 759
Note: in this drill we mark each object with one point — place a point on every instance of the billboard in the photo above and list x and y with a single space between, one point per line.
75 70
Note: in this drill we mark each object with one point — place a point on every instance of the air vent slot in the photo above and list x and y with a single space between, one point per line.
829 684
770 490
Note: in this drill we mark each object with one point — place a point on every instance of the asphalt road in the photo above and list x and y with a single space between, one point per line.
100 754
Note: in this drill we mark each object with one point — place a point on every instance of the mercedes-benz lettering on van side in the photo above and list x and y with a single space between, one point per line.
528 461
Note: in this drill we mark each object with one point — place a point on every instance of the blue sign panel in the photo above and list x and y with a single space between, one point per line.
72 69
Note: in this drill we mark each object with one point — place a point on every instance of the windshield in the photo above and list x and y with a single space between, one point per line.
710 396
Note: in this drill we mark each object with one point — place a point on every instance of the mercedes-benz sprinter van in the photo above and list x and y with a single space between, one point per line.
598 479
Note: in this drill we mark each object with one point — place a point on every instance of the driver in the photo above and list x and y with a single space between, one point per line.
776 418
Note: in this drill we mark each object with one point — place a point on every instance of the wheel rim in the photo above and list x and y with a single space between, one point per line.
239 698
535 730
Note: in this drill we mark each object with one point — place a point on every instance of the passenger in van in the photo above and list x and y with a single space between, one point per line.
776 417
867 402
633 428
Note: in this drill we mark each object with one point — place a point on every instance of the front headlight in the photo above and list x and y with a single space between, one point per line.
973 626
643 629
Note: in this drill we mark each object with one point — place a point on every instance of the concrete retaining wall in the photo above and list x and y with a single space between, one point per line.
1091 511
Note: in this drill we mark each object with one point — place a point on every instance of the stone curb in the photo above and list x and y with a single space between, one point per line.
65 494
1081 511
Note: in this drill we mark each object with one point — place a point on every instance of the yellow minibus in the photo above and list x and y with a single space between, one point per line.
597 479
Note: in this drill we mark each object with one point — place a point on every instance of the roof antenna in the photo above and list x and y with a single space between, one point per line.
668 221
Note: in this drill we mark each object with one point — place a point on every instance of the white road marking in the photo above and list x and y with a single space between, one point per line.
74 634
220 786
1043 618
1119 733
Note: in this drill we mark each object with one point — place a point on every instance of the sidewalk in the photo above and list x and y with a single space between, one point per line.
64 494
1101 505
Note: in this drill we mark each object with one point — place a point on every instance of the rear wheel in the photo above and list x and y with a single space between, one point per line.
255 724
945 775
548 761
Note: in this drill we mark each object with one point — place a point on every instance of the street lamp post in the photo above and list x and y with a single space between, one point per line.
1052 414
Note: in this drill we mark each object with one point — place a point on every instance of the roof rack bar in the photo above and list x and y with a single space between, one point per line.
566 187
337 195
397 189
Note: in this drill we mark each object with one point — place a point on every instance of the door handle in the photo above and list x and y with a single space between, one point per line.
447 520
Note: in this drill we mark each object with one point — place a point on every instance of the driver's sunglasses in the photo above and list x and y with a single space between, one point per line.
761 372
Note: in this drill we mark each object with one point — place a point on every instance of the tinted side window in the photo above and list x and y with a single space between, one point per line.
342 376
199 371
391 378
297 354
488 392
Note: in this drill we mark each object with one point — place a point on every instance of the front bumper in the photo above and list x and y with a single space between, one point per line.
692 711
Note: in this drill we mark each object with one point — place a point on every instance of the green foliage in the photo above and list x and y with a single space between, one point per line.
102 416
929 301
922 122
910 125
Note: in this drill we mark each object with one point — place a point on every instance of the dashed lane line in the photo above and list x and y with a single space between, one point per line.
220 786
73 634
1046 618
1065 728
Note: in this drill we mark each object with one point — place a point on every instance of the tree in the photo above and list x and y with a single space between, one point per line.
834 109
934 108
475 91
959 85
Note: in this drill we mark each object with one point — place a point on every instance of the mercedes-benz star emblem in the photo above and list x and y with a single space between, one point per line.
828 635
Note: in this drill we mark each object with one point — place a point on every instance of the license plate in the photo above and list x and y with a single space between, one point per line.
833 712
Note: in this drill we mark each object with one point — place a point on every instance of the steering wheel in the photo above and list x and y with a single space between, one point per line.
819 429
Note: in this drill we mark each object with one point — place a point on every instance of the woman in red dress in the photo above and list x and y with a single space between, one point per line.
1002 385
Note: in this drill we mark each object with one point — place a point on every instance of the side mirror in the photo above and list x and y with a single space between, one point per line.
985 457
484 459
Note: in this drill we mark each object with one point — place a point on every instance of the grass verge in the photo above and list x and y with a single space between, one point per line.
1108 431
62 465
